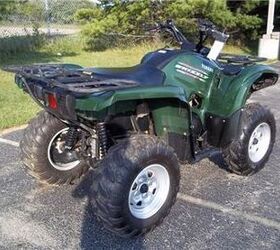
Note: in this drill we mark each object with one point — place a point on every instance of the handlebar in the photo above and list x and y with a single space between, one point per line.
171 28
206 29
209 29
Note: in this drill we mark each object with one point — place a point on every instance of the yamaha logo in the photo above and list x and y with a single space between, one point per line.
207 68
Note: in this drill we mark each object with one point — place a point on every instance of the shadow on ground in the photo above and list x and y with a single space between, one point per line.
219 161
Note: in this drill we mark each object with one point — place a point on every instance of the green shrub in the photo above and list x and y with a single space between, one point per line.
97 33
88 15
63 45
11 46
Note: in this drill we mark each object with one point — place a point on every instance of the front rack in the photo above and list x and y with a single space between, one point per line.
68 77
240 59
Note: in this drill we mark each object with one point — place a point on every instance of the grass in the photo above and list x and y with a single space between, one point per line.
17 108
18 44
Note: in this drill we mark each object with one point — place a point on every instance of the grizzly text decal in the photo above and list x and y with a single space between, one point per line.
188 70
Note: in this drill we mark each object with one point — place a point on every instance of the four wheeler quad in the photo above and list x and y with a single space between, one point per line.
135 125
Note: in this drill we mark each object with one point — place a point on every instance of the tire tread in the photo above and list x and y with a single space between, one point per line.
235 154
32 155
109 177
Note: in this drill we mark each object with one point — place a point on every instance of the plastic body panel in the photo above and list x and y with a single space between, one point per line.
104 100
187 74
167 105
221 94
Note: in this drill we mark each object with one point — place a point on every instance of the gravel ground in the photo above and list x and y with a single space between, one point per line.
9 31
214 209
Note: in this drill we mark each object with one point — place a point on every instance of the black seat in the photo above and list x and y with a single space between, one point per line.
231 69
140 74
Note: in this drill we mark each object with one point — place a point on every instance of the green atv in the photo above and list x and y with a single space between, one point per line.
135 126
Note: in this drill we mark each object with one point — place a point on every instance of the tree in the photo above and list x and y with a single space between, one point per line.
7 7
86 15
130 17
63 11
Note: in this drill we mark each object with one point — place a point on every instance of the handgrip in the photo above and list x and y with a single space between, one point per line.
210 29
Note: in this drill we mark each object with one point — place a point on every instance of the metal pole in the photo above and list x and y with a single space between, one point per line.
270 18
47 17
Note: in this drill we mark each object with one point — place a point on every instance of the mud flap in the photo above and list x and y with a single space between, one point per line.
222 130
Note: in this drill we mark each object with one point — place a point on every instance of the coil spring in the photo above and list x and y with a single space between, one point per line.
102 138
71 137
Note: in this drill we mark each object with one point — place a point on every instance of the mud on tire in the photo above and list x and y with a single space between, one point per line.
236 154
34 151
116 176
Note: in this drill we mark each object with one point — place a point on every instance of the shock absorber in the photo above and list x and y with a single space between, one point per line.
102 138
71 138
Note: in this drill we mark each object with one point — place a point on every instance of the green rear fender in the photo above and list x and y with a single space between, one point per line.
168 105
102 101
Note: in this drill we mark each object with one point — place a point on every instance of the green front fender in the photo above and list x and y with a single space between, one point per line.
256 73
102 101
232 92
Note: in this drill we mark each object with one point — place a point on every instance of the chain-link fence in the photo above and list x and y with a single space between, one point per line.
51 17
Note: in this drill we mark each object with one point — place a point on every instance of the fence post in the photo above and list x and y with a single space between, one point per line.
270 18
47 17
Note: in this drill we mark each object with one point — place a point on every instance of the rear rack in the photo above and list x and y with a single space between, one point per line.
68 77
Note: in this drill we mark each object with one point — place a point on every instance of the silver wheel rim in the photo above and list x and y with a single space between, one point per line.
149 191
259 142
60 166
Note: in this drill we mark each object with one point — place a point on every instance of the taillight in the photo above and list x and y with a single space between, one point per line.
52 101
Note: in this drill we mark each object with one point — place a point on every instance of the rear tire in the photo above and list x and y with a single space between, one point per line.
250 151
125 196
35 148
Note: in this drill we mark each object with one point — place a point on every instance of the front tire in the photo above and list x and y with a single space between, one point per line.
38 153
135 185
250 151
